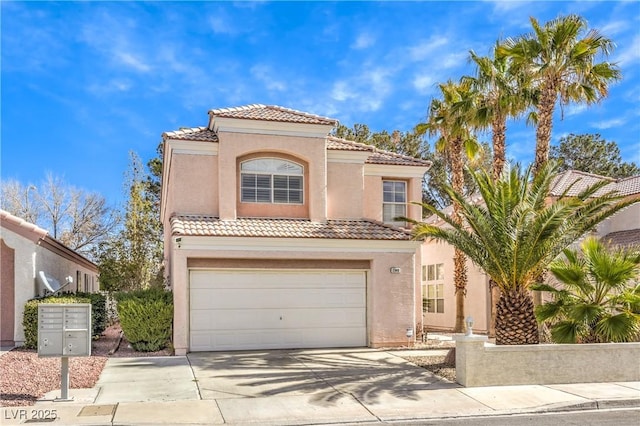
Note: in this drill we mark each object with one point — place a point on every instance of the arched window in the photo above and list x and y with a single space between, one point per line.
271 180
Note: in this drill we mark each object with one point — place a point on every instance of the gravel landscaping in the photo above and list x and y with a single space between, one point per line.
27 377
436 365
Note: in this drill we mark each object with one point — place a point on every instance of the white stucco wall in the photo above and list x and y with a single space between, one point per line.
483 364
626 219
25 283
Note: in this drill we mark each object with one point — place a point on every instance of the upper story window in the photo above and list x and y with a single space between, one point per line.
271 180
394 201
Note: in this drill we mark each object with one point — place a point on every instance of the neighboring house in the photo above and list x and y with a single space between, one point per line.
622 229
280 236
438 291
27 251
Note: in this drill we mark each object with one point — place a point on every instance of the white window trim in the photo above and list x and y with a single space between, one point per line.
404 182
272 174
435 282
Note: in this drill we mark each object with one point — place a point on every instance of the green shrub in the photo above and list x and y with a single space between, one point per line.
30 316
98 312
146 317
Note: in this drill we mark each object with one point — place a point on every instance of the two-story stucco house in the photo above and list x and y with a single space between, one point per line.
278 235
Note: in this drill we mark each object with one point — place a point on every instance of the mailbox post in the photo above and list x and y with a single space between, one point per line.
64 330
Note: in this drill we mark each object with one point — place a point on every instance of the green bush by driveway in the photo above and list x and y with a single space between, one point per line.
146 318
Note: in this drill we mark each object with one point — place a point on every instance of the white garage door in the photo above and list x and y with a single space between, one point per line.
266 309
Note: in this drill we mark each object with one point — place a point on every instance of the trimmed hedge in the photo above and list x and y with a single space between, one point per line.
98 312
30 316
146 317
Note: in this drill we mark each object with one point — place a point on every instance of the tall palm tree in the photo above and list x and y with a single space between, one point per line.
447 119
561 58
503 94
599 296
514 234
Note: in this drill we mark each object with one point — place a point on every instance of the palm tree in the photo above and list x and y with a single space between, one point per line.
503 94
447 118
561 58
514 234
599 296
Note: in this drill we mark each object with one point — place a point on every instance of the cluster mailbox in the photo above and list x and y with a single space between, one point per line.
64 329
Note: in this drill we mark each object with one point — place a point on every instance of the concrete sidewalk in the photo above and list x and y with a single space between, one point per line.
299 387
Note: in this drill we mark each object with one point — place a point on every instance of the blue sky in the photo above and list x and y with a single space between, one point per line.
84 83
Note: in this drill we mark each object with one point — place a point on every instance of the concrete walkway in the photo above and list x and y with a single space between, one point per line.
298 387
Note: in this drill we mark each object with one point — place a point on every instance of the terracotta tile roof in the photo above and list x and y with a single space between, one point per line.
386 157
628 186
581 181
378 156
628 238
192 134
271 113
346 145
196 225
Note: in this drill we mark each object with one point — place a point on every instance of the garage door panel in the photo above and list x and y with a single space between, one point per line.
250 279
276 298
236 310
233 319
270 339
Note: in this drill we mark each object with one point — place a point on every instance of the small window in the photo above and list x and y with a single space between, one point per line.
433 291
394 201
271 180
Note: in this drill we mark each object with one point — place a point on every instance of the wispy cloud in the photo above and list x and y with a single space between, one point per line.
113 85
365 91
425 48
608 124
363 41
221 22
424 83
630 53
265 74
131 60
501 6
614 28
114 38
575 109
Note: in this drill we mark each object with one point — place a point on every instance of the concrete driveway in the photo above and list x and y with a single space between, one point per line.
301 387
323 385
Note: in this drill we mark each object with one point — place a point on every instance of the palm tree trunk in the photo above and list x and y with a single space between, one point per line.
460 282
515 321
499 128
545 123
459 259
